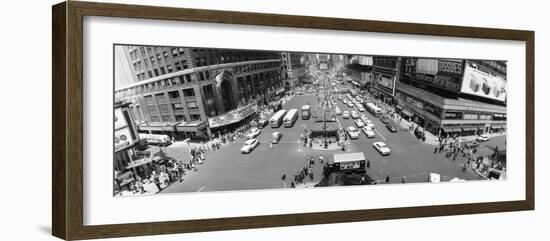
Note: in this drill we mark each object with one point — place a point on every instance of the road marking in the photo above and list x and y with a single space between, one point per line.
202 188
380 134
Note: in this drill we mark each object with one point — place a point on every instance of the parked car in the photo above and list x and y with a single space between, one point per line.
354 114
276 137
391 127
471 144
369 132
262 123
482 138
352 132
253 133
382 148
359 123
345 115
385 119
249 145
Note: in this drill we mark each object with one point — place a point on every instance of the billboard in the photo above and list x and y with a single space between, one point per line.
125 134
483 84
441 73
233 116
385 82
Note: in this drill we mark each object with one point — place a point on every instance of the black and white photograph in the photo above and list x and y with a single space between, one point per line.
193 119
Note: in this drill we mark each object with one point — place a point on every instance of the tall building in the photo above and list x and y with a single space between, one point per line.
179 89
323 60
124 73
453 97
385 73
293 68
359 70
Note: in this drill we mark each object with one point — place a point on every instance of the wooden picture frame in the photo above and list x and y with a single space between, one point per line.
67 123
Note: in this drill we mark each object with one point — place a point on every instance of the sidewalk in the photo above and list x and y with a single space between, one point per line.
432 139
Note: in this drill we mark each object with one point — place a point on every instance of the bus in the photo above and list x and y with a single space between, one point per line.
306 112
373 109
290 117
156 139
348 163
277 119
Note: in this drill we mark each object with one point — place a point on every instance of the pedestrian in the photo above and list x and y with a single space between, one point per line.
283 177
387 178
271 145
403 180
368 164
435 150
292 185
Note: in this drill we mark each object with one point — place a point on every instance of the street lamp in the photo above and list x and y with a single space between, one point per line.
325 120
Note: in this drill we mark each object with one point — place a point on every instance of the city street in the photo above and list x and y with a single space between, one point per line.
263 168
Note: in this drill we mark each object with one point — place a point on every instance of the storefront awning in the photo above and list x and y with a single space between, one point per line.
191 126
407 113
233 116
469 128
451 129
158 126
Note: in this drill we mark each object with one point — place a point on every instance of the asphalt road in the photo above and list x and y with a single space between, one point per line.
227 169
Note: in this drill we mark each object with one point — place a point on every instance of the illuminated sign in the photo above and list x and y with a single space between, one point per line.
479 83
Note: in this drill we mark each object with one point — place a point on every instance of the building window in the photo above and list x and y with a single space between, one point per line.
178 66
155 119
201 76
188 92
169 67
162 70
174 52
195 117
150 74
177 106
174 94
192 105
159 57
166 118
181 50
180 118
165 53
188 78
156 72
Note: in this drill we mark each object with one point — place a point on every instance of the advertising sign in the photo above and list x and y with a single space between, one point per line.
453 115
479 83
386 82
123 138
120 121
441 73
233 116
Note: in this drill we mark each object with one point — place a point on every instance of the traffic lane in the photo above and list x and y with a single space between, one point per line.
228 169
409 157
